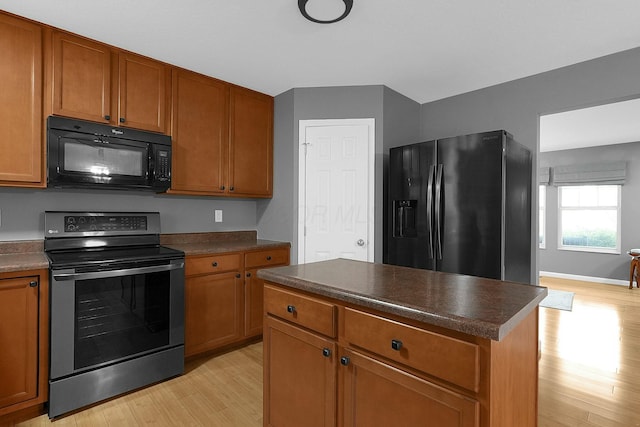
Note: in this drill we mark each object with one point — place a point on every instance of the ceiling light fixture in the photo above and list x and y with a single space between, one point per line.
302 5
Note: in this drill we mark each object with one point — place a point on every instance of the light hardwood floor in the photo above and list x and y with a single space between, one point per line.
225 390
589 374
590 365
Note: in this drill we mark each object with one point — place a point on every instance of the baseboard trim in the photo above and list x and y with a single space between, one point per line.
584 278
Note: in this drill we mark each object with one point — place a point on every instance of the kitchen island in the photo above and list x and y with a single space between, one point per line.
354 343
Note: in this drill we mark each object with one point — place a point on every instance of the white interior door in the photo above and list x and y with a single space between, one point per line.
336 190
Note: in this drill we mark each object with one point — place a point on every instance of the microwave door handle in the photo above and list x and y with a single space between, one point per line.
117 273
151 164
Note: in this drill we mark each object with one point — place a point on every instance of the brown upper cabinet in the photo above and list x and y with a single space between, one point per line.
222 138
222 133
250 143
199 133
93 81
21 142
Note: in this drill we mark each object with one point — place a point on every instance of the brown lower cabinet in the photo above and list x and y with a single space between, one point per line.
213 304
377 394
302 377
223 297
328 363
24 338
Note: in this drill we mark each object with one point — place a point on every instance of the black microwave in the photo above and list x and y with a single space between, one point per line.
83 154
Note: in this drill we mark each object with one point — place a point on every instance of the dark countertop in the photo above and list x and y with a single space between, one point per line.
477 306
22 262
29 254
22 255
216 247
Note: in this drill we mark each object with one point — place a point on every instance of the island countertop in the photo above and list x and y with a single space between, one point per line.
477 306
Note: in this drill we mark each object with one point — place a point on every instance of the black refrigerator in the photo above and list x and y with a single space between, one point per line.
461 205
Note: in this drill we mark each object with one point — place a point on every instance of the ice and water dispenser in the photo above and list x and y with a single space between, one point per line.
404 218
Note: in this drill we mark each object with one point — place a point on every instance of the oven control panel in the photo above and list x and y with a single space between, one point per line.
84 224
105 223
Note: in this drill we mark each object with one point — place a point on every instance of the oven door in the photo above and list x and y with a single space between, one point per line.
100 317
77 160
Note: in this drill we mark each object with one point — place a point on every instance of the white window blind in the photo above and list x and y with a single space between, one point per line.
596 173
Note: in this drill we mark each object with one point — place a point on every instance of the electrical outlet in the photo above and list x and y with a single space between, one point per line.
218 215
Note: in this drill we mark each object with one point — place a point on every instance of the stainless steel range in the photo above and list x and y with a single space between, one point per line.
117 306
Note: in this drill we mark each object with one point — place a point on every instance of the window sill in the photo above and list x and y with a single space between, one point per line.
591 250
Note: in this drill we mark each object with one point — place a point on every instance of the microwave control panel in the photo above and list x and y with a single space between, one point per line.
163 165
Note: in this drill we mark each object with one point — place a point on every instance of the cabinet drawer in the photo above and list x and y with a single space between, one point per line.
447 358
266 258
212 264
305 311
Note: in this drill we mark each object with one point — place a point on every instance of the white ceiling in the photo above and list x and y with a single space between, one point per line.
426 50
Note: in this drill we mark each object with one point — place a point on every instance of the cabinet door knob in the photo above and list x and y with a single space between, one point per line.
214 264
326 352
396 345
33 283
291 308
268 257
231 188
248 274
238 276
344 360
107 117
222 187
122 120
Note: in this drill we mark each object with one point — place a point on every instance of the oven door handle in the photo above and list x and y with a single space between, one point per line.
117 273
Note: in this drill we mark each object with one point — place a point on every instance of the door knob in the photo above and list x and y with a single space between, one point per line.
360 242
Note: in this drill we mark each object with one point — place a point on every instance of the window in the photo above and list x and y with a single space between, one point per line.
589 218
542 205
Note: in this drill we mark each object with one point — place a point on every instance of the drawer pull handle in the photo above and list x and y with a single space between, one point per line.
33 284
326 352
396 345
291 308
344 360
214 264
268 257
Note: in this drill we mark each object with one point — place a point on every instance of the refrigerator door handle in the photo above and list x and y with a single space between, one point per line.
438 211
432 170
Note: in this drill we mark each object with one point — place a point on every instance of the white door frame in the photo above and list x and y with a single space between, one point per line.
303 124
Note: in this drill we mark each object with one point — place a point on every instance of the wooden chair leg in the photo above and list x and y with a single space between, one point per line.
631 272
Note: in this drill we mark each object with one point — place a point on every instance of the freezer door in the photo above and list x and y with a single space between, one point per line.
407 227
470 192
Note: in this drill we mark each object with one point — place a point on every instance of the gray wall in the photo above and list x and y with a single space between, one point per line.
277 216
516 106
397 122
608 266
22 210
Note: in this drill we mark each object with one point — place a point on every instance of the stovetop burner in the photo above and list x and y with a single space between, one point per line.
106 256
